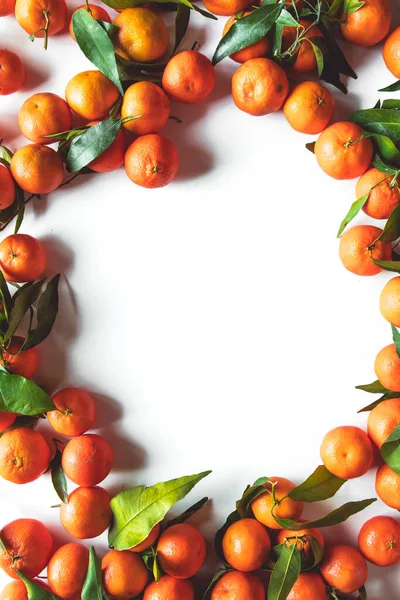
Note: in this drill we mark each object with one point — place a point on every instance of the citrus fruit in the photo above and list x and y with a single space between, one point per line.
91 95
344 568
305 61
7 187
342 152
37 169
112 158
88 512
28 547
383 419
97 13
75 414
6 420
384 194
234 585
259 49
387 368
24 455
288 537
285 508
44 114
369 24
16 590
246 545
356 247
148 542
259 87
67 570
390 301
189 77
309 107
391 52
309 586
347 452
151 161
23 363
30 16
169 588
226 8
181 551
7 7
12 73
22 258
142 35
151 102
387 486
379 541
87 459
124 575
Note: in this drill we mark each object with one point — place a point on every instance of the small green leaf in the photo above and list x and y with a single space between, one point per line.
320 486
335 7
394 87
23 299
387 265
91 144
243 506
5 295
285 573
47 310
333 518
261 481
380 121
391 450
317 551
110 28
34 591
352 6
93 587
23 396
353 212
287 20
372 388
391 103
391 231
318 53
188 513
58 477
220 573
373 405
157 573
5 154
182 20
396 339
383 167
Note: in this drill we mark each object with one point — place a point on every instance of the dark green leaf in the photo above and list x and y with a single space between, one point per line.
380 121
317 551
251 493
383 167
23 396
387 265
262 480
352 6
181 23
394 87
391 231
67 135
373 405
93 587
26 296
321 485
391 450
47 310
337 59
285 573
396 339
372 388
58 477
362 593
386 148
318 53
391 103
333 518
214 580
34 591
286 19
91 144
277 41
110 28
188 513
20 208
219 536
5 295
353 212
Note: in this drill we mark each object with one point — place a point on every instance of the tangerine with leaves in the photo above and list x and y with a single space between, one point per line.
189 77
97 12
235 585
383 420
387 486
169 588
124 575
303 539
12 73
75 414
88 512
383 193
41 18
24 363
309 107
7 7
22 258
7 419
259 87
246 545
359 246
44 114
181 550
259 49
369 24
387 368
112 158
309 586
389 302
87 459
149 541
305 61
347 452
142 35
344 568
28 547
151 161
37 169
67 570
379 541
151 102
276 498
391 52
24 455
7 187
91 95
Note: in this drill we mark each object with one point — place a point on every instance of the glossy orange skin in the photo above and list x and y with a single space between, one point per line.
112 158
369 25
387 486
181 551
354 250
22 258
286 509
151 161
87 514
383 419
91 95
76 412
29 540
391 52
387 368
149 100
383 198
142 35
97 12
7 7
347 452
309 107
44 114
305 61
124 575
12 73
259 49
24 455
309 586
344 568
259 87
339 159
246 545
148 542
389 302
25 363
379 541
287 535
189 77
170 588
235 585
225 8
29 14
37 169
16 590
87 459
67 570
7 187
6 420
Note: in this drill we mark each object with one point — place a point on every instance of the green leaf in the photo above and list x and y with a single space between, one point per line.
181 23
96 45
381 121
91 144
262 480
391 231
362 593
5 154
110 28
317 551
277 40
214 580
286 19
47 310
352 6
219 536
188 513
34 591
247 31
5 296
383 167
67 135
335 7
251 493
372 388
387 265
23 299
58 477
333 518
19 207
157 573
385 145
391 450
318 53
353 212
285 573
394 87
23 396
132 3
391 103
320 486
93 587
373 405
138 510
396 339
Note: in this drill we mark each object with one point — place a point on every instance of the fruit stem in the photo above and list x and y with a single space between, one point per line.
45 30
88 7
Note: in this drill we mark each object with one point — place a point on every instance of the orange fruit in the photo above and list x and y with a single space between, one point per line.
169 588
24 455
347 452
368 25
383 195
37 169
189 77
16 590
286 507
387 486
7 187
391 52
344 568
379 541
142 35
66 571
309 107
181 551
357 245
44 114
390 301
91 95
112 158
87 459
25 363
246 545
97 13
88 512
75 414
22 257
7 7
259 87
225 8
383 419
234 585
12 73
149 100
309 586
28 547
387 368
6 420
30 16
124 575
259 49
288 537
341 151
151 161
305 60
148 542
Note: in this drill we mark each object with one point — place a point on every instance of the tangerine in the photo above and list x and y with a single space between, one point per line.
31 16
246 545
181 551
7 7
7 419
88 512
24 455
259 87
379 541
283 507
387 368
391 52
389 302
12 73
383 193
358 245
383 419
309 586
387 486
305 61
226 8
142 35
189 77
7 187
151 161
66 571
23 363
91 95
37 169
124 575
369 24
347 452
234 585
75 414
22 258
303 536
169 588
151 102
87 459
44 114
28 547
309 107
344 568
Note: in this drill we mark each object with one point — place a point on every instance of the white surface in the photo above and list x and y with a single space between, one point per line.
213 319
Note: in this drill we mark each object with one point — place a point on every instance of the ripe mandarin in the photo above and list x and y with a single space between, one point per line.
285 508
226 8
369 24
344 568
44 114
12 73
309 586
7 7
189 77
151 102
387 486
383 419
24 455
181 551
66 571
124 575
383 193
75 414
6 420
37 169
246 545
88 512
7 187
23 363
28 546
151 161
30 16
356 247
142 35
347 452
288 537
387 368
379 541
391 52
389 302
91 95
309 107
87 459
234 585
22 258
169 588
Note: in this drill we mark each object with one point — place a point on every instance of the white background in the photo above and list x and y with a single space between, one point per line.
212 319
